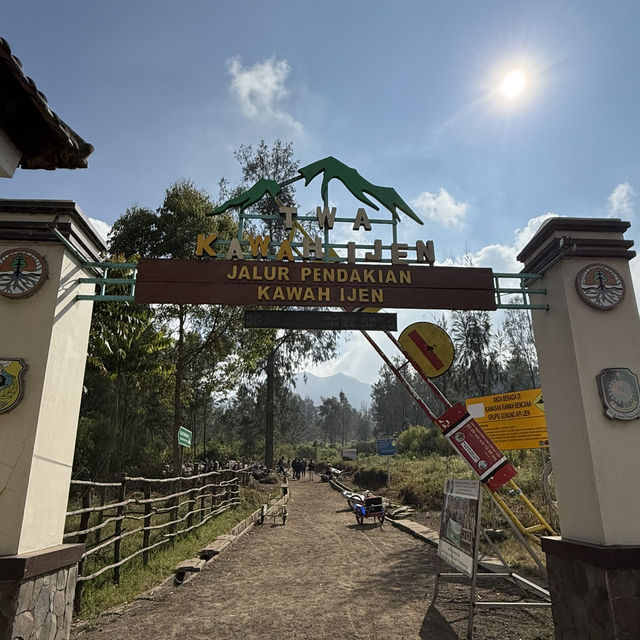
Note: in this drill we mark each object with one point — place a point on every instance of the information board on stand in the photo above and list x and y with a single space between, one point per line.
458 524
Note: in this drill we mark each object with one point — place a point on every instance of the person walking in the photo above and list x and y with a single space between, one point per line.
303 467
311 468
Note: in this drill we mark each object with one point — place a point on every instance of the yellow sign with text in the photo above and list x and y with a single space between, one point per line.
513 420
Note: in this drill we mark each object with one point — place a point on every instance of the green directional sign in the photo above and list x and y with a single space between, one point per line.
184 437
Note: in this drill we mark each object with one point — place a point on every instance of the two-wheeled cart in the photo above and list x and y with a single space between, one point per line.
369 507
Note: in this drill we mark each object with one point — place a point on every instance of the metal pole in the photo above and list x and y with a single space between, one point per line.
474 573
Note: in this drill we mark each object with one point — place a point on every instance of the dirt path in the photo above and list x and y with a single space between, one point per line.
321 576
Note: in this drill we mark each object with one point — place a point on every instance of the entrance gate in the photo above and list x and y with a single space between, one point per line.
590 494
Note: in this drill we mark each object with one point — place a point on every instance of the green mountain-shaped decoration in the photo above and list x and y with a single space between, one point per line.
357 185
331 168
250 196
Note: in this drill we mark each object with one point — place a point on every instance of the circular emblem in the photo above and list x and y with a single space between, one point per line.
22 272
600 286
429 347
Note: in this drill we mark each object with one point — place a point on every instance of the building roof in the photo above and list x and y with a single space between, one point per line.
42 138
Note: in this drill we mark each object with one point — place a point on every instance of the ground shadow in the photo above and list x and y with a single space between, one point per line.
435 625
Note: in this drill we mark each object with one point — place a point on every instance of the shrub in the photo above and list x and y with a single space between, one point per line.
370 478
422 441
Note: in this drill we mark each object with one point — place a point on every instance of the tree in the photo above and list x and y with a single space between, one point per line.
289 349
329 412
170 232
522 366
477 361
127 370
275 163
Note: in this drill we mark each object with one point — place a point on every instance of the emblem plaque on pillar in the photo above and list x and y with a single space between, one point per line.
11 384
22 272
620 393
600 286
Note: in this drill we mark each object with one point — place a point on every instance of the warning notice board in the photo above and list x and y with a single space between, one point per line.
513 420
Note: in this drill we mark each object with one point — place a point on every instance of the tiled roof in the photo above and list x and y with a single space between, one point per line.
44 140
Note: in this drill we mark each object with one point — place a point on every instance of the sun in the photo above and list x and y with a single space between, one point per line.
513 84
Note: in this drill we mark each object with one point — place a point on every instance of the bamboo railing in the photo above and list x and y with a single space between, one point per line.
118 521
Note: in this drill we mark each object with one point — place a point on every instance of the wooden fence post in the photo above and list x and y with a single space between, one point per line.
103 497
192 501
214 492
175 511
202 507
84 524
146 534
122 492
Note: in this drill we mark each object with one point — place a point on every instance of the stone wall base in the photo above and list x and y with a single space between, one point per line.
595 590
36 593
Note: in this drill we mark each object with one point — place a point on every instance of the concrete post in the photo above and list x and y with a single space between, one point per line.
43 346
592 324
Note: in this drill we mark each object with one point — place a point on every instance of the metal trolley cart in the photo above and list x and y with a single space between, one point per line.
370 507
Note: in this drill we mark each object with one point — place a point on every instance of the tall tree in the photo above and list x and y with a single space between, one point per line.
289 349
523 361
477 360
126 370
170 232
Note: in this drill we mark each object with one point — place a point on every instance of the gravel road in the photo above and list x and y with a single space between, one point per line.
321 576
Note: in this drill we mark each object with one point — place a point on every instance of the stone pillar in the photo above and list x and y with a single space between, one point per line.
36 593
44 332
594 435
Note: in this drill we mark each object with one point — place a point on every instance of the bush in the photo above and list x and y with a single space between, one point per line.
370 478
364 447
422 441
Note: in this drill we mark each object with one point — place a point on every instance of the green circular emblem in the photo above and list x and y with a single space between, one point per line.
22 272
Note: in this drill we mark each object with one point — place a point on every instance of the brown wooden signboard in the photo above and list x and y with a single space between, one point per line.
313 284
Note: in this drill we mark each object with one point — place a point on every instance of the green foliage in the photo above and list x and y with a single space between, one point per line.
329 454
127 380
205 353
421 441
364 447
372 479
307 451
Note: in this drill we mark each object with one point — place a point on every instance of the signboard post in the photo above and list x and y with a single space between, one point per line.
473 444
184 437
514 420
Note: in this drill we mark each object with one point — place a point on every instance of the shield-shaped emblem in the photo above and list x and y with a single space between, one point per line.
11 383
620 393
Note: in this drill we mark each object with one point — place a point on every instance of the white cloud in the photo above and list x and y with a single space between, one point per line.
522 236
621 201
261 90
441 207
101 227
502 257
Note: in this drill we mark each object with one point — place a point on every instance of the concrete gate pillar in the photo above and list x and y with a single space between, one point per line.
43 347
592 324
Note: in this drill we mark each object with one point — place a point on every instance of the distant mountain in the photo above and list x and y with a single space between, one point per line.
358 393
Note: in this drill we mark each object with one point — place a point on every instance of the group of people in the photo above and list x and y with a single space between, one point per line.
298 467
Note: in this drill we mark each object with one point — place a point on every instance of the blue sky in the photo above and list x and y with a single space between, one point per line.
406 92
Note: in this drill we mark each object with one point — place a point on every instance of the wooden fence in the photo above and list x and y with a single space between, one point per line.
118 521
